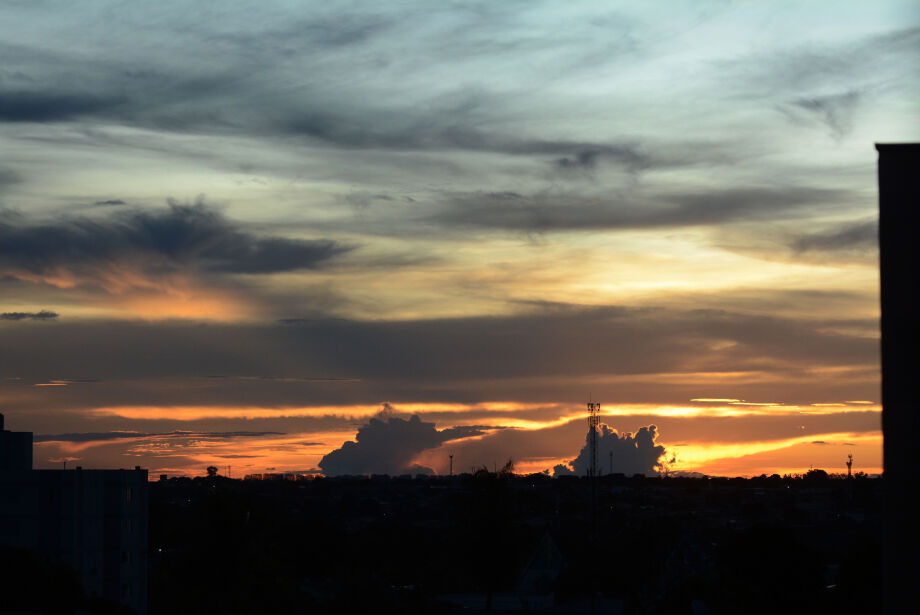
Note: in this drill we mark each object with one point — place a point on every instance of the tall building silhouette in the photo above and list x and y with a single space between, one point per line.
899 221
93 520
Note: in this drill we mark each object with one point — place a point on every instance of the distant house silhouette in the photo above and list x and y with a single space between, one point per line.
93 520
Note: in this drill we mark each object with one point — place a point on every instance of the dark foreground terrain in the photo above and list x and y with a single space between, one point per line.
502 542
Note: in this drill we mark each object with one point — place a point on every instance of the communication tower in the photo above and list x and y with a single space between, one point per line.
594 409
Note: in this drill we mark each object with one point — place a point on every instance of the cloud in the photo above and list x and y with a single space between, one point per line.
852 236
623 353
835 111
50 106
562 470
181 237
627 454
42 315
388 444
9 177
551 211
444 132
119 435
809 66
109 203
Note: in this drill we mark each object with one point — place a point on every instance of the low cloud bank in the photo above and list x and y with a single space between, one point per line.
43 315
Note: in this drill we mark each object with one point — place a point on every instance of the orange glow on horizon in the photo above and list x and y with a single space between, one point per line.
303 450
566 412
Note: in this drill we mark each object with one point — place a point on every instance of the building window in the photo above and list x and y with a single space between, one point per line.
128 494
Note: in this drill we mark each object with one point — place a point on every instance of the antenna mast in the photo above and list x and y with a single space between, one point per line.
594 409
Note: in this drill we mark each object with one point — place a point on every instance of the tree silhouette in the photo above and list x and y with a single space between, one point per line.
212 471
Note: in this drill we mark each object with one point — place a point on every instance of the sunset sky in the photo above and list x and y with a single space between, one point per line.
232 233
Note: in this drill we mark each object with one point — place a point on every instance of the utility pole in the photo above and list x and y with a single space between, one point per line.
451 464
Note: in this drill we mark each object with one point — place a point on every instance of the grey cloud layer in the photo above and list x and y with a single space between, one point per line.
548 212
158 240
496 95
42 315
857 236
532 357
119 435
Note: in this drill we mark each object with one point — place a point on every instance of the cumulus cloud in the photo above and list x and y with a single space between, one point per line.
388 444
42 315
627 454
560 469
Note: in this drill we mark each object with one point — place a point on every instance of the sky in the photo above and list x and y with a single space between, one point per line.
360 237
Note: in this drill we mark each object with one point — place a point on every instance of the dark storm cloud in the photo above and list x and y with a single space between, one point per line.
159 240
627 454
42 315
388 445
544 212
856 236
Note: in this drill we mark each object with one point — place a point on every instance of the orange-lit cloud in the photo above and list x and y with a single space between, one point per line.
709 437
795 455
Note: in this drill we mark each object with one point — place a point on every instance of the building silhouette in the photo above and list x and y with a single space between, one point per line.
93 520
899 218
15 449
